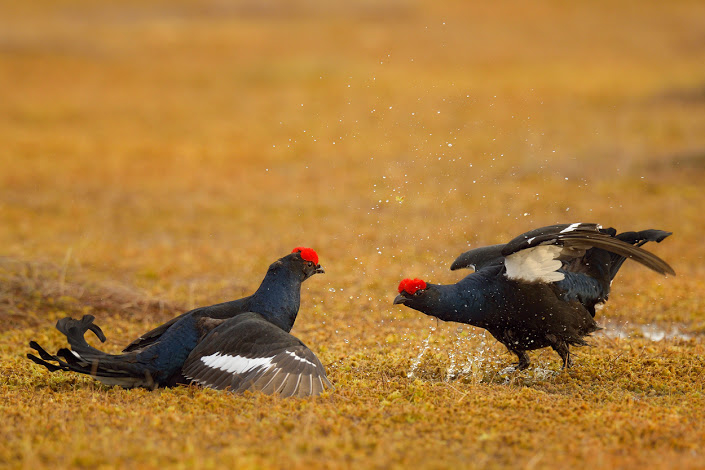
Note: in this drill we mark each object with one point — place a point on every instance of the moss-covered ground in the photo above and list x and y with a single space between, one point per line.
158 155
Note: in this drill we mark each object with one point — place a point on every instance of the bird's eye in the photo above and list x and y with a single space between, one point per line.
309 264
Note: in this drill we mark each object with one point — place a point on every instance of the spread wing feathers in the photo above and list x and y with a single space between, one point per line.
479 258
576 238
539 263
249 353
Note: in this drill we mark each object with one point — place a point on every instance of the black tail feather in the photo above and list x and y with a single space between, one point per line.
643 236
67 361
75 331
48 365
82 357
69 357
638 239
46 357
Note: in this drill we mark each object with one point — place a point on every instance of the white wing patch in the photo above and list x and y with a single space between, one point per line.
538 263
300 359
235 364
571 227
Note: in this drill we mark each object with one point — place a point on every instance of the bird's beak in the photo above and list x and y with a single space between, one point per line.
320 270
399 299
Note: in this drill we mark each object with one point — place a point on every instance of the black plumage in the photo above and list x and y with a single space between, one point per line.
541 289
263 354
234 345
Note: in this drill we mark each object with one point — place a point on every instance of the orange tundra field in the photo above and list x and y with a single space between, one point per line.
158 155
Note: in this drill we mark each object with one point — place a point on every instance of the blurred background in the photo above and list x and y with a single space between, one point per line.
179 147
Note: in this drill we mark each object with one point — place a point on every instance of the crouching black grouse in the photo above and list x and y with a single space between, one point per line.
239 345
538 290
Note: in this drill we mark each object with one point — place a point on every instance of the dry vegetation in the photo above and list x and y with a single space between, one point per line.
158 155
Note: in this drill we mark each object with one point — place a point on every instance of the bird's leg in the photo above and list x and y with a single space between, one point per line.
523 360
562 349
508 341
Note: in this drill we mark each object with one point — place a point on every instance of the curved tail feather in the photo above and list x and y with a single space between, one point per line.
75 331
637 239
124 369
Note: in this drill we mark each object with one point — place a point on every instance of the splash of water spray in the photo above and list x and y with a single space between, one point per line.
451 373
476 360
417 360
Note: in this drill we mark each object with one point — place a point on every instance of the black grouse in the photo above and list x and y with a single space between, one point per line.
540 289
239 345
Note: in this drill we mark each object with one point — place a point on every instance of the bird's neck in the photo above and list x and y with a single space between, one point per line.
278 297
463 303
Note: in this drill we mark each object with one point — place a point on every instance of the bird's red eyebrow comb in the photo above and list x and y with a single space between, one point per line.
412 285
307 254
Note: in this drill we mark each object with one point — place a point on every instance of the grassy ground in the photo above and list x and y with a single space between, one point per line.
158 155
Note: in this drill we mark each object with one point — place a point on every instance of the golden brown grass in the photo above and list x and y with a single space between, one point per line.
158 155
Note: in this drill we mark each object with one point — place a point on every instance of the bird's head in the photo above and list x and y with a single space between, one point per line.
411 292
308 259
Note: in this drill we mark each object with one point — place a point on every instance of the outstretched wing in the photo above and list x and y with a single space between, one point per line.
249 353
479 258
538 254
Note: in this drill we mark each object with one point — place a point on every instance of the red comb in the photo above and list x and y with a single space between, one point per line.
411 285
307 254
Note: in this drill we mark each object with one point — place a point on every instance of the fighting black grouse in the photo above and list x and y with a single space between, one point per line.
540 289
239 345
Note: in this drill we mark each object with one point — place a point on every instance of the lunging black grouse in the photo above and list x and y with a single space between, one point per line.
538 290
242 345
